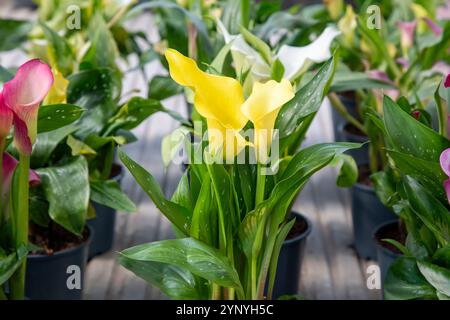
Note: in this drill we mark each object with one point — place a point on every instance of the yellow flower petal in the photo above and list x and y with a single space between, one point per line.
262 108
57 93
216 97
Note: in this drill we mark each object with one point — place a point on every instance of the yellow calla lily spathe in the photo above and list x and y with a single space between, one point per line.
57 93
221 101
262 108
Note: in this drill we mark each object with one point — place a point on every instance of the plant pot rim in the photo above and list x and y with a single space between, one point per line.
64 252
364 187
353 137
304 234
378 244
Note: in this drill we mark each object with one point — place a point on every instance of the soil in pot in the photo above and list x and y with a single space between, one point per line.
386 252
290 259
56 270
104 222
367 213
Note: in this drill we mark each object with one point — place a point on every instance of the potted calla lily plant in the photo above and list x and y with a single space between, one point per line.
232 216
407 60
413 251
19 104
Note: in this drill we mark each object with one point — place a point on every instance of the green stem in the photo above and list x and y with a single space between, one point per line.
254 277
339 106
21 226
216 292
245 13
260 185
2 147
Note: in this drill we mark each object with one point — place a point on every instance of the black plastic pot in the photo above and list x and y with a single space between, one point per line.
361 155
349 101
385 256
368 213
103 224
290 261
47 277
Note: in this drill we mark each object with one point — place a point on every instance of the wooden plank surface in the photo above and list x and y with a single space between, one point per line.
331 269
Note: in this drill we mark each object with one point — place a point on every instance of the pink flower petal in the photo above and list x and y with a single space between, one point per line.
21 138
447 81
447 189
437 30
26 90
443 13
407 30
444 160
6 119
403 62
9 165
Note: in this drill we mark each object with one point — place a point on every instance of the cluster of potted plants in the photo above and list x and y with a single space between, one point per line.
254 81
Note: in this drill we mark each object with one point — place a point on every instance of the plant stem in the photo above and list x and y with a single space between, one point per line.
339 106
2 147
21 226
260 185
254 277
245 13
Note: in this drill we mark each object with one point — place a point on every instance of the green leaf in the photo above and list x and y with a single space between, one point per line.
13 33
260 46
171 144
201 226
438 277
103 51
5 75
108 193
385 187
182 194
347 80
66 188
404 281
10 263
177 214
59 50
430 210
46 143
307 101
410 136
442 257
189 254
177 283
277 70
163 87
79 147
55 116
348 173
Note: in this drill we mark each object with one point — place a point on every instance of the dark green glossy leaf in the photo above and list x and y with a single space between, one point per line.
429 209
108 193
437 276
163 87
189 254
404 281
55 116
66 188
442 257
306 101
177 214
175 282
410 136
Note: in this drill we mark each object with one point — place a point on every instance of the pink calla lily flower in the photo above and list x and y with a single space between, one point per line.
9 165
443 13
407 31
437 30
6 119
444 160
447 81
22 95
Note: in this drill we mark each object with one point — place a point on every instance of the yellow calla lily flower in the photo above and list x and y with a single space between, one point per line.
262 108
58 92
347 25
216 98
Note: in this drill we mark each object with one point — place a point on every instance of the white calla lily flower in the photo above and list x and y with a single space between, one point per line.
294 59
